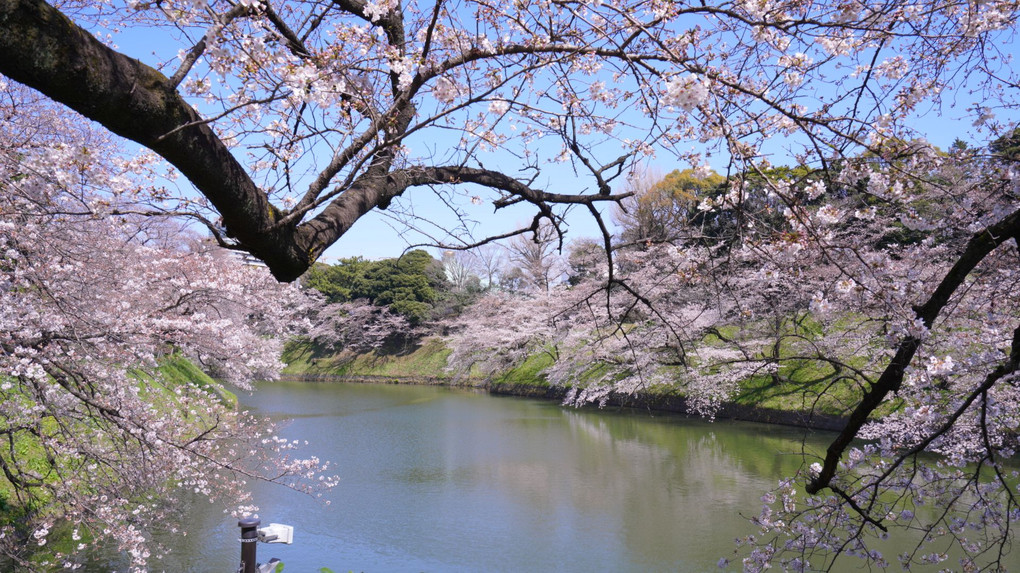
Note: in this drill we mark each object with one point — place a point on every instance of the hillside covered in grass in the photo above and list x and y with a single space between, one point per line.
800 389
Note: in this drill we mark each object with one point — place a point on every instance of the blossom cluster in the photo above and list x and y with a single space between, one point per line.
770 282
96 313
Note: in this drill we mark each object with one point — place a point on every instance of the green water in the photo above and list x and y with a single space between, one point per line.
434 479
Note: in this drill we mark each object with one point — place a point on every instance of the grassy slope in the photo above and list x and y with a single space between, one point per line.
424 361
176 370
800 386
427 360
173 371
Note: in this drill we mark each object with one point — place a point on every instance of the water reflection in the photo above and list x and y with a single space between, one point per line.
441 480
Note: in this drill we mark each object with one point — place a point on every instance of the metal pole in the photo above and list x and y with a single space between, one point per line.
249 540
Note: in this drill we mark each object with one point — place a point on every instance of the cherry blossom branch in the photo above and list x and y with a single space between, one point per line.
980 245
222 21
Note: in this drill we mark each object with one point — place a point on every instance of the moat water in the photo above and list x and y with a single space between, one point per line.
437 479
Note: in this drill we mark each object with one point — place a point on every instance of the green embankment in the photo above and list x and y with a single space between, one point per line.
421 363
173 372
800 392
426 361
176 371
804 386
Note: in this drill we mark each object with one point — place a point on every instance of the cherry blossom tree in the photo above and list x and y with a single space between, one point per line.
863 277
93 308
502 330
930 280
293 120
357 327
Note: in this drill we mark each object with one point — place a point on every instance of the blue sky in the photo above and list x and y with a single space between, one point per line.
379 235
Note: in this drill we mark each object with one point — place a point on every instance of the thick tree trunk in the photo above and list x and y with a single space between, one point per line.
43 49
